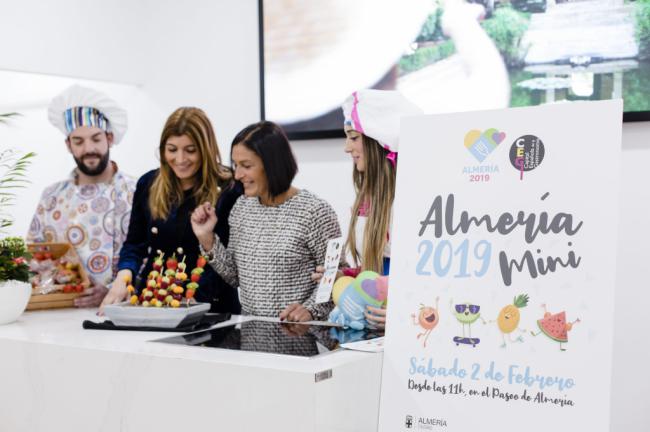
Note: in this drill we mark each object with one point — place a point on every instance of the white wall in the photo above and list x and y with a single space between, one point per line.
74 38
630 380
152 56
204 53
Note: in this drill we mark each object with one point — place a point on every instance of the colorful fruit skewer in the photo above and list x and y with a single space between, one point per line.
181 265
177 295
178 286
158 262
130 289
172 262
180 276
196 274
189 294
167 289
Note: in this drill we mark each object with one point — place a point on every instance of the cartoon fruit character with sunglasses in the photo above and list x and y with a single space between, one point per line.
466 314
428 319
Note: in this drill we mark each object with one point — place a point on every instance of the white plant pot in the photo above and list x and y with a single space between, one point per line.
15 296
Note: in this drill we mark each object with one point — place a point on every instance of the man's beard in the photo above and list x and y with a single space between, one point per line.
99 169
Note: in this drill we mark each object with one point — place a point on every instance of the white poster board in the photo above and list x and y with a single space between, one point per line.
499 217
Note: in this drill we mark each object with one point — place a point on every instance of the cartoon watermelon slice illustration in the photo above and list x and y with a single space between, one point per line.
555 327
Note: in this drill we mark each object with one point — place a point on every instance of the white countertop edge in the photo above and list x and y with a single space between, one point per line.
63 328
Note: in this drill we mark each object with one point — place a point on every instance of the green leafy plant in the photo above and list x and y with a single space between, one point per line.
14 259
519 96
506 28
642 15
13 251
635 88
431 29
425 56
13 175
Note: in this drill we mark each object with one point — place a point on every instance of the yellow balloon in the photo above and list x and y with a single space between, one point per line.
340 284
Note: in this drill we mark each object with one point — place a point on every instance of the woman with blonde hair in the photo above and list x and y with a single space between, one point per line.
372 120
190 173
371 126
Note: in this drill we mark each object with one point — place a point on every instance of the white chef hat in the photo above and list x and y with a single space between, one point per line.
81 106
377 114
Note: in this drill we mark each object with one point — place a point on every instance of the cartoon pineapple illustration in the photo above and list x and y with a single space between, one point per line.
509 317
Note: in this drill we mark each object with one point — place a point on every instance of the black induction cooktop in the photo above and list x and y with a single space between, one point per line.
295 339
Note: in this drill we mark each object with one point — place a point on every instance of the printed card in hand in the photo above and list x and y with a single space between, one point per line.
332 258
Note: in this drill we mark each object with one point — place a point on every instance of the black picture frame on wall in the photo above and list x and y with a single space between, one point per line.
334 118
291 134
636 116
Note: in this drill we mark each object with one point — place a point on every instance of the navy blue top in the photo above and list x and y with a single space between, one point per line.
142 241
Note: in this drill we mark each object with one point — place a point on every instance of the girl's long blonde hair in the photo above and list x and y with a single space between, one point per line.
375 188
166 191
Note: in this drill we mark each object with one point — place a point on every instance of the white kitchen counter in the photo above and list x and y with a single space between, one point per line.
56 376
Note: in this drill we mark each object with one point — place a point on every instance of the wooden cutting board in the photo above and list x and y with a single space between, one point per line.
56 300
51 301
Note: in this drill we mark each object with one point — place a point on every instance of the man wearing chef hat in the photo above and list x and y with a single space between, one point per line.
90 209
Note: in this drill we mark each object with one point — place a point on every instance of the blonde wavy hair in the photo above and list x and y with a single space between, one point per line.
375 188
166 191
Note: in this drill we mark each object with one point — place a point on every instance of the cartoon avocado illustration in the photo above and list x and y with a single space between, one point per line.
466 314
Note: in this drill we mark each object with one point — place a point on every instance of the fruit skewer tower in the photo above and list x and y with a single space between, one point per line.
171 288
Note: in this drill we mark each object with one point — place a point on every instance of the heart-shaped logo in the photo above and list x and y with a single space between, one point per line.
481 144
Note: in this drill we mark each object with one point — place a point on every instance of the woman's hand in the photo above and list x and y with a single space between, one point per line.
204 219
118 291
317 275
376 317
294 330
295 312
91 296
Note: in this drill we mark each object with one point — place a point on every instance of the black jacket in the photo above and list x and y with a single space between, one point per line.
146 236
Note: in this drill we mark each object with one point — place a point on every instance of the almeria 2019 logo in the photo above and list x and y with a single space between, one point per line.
481 144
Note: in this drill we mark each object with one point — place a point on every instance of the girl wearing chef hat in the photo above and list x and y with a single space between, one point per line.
372 123
372 119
